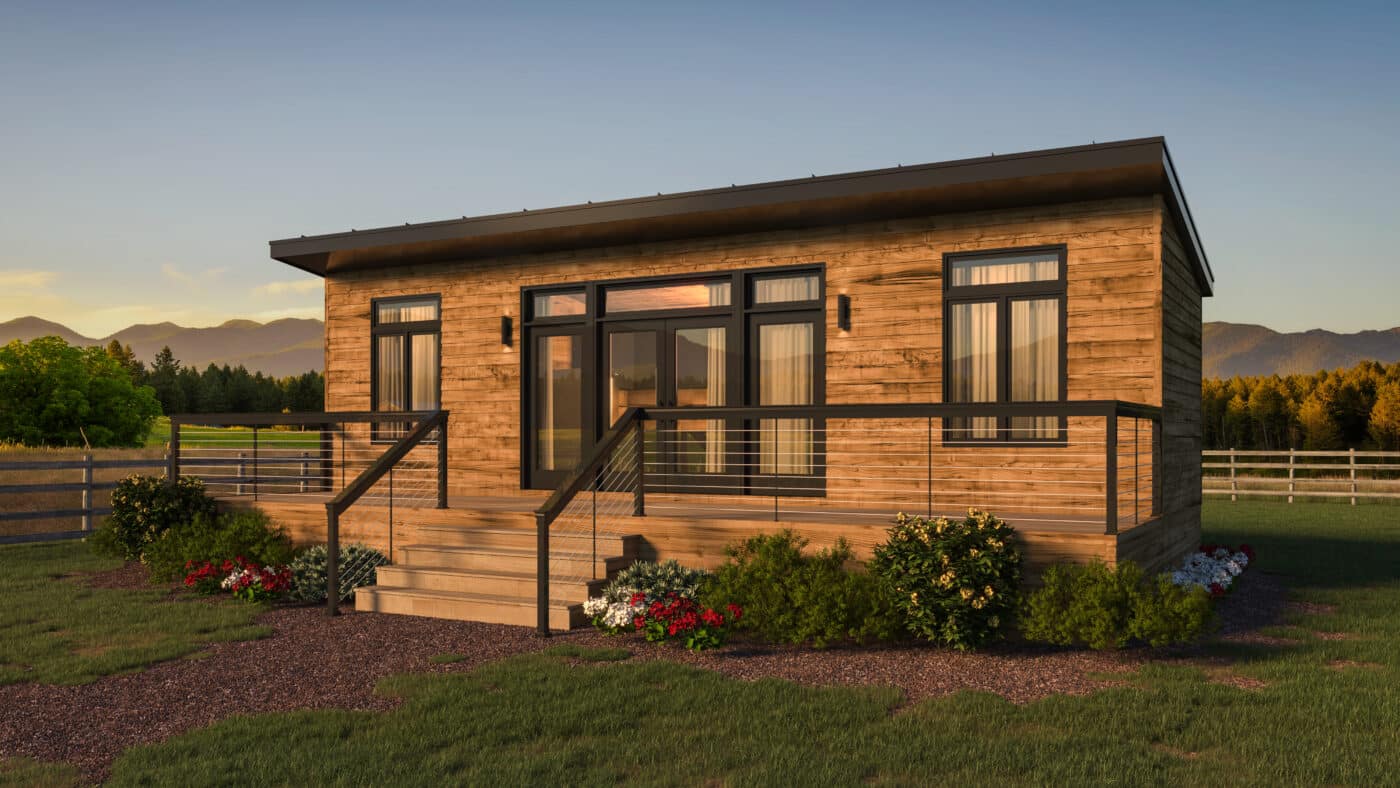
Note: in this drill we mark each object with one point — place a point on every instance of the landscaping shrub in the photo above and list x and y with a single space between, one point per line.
793 597
656 581
145 507
246 580
1105 608
357 565
953 582
249 534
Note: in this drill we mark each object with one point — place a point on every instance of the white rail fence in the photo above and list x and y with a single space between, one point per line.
1292 474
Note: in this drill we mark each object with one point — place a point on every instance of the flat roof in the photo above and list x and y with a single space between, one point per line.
1104 170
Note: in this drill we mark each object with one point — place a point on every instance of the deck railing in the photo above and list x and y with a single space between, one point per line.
341 459
1089 464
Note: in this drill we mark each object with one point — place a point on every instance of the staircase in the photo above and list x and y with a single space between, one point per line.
488 574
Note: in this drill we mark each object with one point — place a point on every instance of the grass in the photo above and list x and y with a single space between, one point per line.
57 629
544 718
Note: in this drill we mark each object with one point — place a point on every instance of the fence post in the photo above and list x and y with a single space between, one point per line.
87 492
242 469
1352 463
1234 485
1290 475
305 469
172 459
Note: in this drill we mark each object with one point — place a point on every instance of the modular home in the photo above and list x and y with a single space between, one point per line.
521 403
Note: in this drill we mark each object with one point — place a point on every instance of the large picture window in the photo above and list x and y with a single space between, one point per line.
1004 340
406 369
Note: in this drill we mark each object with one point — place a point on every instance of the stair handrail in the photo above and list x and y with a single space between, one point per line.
628 426
361 484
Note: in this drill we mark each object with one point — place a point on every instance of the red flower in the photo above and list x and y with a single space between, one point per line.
638 599
1217 590
735 612
711 618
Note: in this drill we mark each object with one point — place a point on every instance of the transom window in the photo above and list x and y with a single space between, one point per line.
405 348
1004 317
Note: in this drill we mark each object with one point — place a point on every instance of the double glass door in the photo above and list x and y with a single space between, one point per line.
676 363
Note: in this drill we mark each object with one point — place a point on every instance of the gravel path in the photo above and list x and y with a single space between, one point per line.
314 661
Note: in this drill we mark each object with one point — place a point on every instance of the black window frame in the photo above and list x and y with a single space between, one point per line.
378 432
1003 295
595 320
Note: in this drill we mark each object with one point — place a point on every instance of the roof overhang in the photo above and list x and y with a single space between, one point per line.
1113 169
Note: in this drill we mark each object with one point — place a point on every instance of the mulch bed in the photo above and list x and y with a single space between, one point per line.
312 661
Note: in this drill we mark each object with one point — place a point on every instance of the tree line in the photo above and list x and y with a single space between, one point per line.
1357 408
220 389
56 394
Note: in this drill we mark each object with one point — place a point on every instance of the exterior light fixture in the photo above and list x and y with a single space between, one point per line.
505 330
843 312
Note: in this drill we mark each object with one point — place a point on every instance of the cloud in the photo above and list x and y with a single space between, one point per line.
176 275
26 279
293 287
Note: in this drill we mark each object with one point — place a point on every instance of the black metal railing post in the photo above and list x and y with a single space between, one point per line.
327 458
930 467
541 575
255 463
332 560
1110 441
1157 449
639 498
442 464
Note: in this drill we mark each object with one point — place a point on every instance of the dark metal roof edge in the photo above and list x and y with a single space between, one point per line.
739 189
1207 275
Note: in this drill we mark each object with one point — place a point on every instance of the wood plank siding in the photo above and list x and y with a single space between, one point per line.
1133 333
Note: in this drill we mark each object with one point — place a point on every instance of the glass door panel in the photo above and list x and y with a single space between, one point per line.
701 379
558 403
633 372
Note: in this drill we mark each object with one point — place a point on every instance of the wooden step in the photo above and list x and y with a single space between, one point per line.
562 563
519 585
464 607
523 538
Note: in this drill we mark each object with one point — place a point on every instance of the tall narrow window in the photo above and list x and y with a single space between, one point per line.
1004 316
406 368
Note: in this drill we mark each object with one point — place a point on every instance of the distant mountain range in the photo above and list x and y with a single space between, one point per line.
280 348
1240 349
293 346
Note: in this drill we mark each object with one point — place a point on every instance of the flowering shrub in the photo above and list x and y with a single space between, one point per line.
254 583
249 533
145 507
1214 567
953 582
246 580
673 617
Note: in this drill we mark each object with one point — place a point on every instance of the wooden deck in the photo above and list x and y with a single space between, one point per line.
696 532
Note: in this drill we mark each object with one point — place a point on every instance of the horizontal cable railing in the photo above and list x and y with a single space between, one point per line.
337 459
1293 474
1074 465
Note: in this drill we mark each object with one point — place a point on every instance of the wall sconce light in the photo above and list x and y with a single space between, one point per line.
505 330
843 312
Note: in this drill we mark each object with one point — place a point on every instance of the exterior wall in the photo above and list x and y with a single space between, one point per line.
893 273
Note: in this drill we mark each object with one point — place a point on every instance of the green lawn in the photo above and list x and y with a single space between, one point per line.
60 630
234 438
1328 710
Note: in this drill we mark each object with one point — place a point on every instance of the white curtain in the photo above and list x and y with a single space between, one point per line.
715 377
408 311
974 367
425 372
1035 357
1006 270
785 378
806 287
390 361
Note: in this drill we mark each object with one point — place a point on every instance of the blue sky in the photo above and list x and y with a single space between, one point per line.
149 151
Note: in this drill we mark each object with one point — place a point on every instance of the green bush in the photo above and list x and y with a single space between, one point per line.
356 569
145 507
250 535
656 581
792 597
953 582
1103 608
